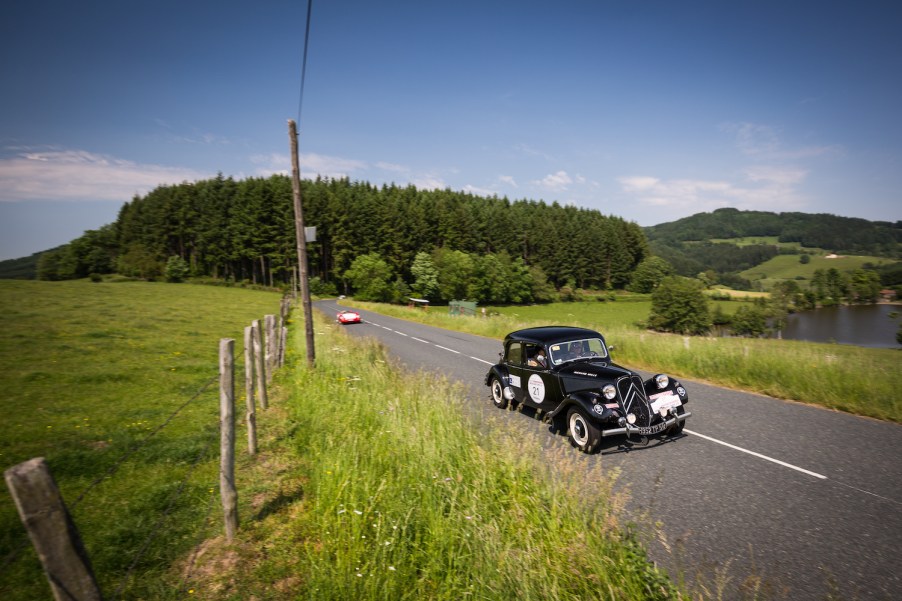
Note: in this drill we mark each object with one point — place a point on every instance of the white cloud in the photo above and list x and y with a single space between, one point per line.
764 189
765 142
429 183
311 164
785 176
555 182
391 167
533 152
507 179
479 191
81 175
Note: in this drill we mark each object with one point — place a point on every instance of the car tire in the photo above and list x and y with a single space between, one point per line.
583 433
497 388
677 428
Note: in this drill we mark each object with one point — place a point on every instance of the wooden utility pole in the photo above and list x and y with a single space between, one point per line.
301 241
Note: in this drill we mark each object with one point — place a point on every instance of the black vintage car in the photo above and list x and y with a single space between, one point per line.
566 375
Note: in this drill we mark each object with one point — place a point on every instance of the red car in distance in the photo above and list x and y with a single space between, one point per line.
346 317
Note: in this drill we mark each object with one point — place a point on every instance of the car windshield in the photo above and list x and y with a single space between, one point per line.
586 348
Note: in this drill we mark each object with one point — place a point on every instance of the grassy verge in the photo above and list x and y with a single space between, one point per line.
858 380
401 498
89 371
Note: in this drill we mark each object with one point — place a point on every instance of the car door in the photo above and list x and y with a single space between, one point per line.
513 358
539 385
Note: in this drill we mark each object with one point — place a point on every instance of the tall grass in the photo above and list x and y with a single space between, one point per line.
863 381
403 498
90 370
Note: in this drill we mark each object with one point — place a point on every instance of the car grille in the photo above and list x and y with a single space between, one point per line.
634 400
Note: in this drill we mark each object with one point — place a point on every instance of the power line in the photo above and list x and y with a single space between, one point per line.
304 60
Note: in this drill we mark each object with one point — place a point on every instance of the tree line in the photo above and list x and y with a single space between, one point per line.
243 231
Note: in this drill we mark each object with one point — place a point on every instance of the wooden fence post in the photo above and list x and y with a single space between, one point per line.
52 531
260 365
227 436
282 348
270 321
249 390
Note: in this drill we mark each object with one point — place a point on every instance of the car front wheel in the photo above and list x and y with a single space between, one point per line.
583 433
498 393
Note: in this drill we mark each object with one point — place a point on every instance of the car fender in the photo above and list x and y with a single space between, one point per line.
583 399
674 387
499 371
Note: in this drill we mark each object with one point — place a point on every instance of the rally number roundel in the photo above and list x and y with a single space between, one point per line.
536 388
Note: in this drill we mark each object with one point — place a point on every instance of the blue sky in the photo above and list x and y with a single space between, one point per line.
649 110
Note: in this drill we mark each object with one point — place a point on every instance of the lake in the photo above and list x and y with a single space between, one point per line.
862 325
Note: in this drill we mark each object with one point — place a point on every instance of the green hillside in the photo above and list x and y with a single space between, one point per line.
789 267
844 235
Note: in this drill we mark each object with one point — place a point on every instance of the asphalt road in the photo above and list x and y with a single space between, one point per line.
800 501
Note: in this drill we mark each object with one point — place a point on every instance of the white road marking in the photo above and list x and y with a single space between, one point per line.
481 360
386 328
401 333
445 348
420 340
759 455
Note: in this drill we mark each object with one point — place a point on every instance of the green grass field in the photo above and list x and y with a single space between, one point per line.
766 240
89 371
788 267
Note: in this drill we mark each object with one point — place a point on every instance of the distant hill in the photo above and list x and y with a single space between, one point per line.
730 242
845 235
24 268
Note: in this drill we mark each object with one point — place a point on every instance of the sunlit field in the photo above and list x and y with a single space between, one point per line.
90 370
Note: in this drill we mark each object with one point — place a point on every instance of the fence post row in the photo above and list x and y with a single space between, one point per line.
52 531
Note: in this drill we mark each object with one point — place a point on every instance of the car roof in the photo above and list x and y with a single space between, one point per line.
546 334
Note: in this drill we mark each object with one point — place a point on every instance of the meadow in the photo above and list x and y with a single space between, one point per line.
788 267
854 379
90 371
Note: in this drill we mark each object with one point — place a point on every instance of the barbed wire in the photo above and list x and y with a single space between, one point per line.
158 526
115 467
13 555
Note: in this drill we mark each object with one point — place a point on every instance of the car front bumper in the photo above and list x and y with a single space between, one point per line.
629 429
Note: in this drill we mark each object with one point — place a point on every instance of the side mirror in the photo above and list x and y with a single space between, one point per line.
611 347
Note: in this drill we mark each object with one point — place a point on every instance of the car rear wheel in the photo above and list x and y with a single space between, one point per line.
583 433
498 393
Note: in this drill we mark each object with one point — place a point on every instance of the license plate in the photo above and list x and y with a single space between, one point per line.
646 431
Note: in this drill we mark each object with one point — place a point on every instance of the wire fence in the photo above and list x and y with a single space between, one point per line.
274 350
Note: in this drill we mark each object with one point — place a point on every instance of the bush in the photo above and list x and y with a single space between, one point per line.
679 305
176 269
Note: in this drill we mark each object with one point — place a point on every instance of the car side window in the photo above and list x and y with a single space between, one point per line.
535 356
514 355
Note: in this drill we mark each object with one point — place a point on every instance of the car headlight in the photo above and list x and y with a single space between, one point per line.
609 392
662 381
